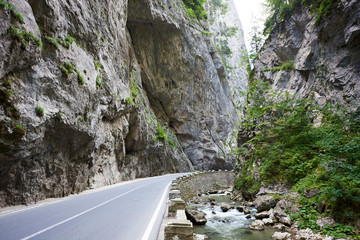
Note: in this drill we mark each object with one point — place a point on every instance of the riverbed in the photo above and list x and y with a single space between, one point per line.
230 225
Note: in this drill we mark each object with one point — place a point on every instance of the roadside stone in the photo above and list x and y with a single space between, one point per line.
267 221
281 235
196 216
257 225
325 221
280 226
225 207
265 202
261 215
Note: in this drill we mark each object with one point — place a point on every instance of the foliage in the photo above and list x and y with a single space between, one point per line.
319 7
195 8
161 134
206 33
288 148
99 83
12 9
24 37
287 65
134 92
283 9
39 111
20 129
69 68
64 42
218 5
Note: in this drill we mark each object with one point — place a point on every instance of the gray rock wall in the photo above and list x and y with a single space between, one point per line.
140 66
326 56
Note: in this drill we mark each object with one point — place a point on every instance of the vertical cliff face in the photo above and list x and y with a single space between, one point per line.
228 38
121 90
324 56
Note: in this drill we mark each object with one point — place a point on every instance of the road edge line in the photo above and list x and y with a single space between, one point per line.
155 215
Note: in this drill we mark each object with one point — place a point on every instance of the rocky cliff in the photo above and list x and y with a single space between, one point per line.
323 59
97 92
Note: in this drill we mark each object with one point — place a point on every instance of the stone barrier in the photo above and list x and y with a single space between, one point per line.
186 187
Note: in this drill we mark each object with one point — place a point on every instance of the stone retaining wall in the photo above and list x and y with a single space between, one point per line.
187 187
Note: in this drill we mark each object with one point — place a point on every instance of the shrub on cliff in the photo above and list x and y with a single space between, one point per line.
195 8
298 142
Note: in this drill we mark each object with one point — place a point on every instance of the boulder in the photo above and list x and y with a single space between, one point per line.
261 215
286 221
225 207
325 221
196 216
307 234
240 208
268 221
247 211
310 193
280 226
257 225
263 203
281 235
248 216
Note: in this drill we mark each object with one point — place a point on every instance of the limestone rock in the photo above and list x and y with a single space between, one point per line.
257 225
240 208
280 226
267 221
195 216
225 207
265 202
261 215
141 68
281 236
307 234
325 221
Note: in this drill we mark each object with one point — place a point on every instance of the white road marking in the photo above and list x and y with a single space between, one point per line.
78 215
154 217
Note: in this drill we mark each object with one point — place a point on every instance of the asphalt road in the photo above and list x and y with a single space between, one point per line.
130 211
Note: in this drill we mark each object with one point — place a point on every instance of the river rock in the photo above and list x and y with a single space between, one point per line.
286 221
200 236
325 221
280 226
264 202
195 216
246 211
225 207
248 216
257 225
261 215
281 236
267 221
240 208
307 234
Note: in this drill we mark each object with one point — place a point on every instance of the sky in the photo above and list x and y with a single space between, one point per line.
246 10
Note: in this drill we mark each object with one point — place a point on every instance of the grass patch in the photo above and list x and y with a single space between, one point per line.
7 6
284 66
69 68
39 111
24 37
19 129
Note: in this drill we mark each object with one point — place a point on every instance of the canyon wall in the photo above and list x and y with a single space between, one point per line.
97 92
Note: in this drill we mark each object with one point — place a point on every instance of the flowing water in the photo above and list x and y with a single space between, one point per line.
231 225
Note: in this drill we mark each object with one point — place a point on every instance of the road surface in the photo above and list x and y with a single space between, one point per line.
129 211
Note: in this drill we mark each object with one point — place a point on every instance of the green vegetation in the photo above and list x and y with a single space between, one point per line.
194 9
24 37
280 10
57 42
99 83
288 148
287 65
134 92
206 33
68 68
12 9
39 111
19 129
161 134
